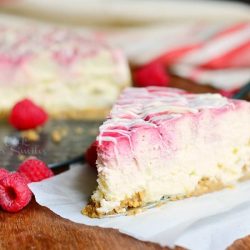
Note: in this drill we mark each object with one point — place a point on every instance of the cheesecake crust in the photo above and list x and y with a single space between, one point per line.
84 114
135 203
74 114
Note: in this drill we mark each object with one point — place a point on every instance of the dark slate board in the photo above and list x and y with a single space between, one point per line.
14 148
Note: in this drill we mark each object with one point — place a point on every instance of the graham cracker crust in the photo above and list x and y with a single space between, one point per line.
205 185
134 202
74 114
84 114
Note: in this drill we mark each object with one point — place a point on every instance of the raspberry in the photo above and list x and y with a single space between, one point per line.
91 154
27 180
3 173
35 170
153 74
27 115
14 193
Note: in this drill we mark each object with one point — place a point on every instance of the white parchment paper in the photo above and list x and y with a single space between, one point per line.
212 221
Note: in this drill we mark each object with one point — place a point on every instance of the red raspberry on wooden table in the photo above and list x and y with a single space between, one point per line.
27 115
14 192
35 169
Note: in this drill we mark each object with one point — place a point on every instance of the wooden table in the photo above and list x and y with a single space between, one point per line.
36 227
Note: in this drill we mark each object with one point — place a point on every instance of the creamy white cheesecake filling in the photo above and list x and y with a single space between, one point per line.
215 147
59 68
180 180
88 84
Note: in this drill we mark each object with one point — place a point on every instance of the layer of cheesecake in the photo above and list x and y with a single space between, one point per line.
70 73
162 142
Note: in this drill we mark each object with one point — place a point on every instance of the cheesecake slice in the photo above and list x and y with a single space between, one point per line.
70 73
163 142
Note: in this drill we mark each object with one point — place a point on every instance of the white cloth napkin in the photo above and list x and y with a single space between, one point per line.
217 54
127 11
212 221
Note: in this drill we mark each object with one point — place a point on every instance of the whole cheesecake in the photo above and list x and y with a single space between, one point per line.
71 73
165 143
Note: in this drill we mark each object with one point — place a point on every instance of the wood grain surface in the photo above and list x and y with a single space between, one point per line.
36 227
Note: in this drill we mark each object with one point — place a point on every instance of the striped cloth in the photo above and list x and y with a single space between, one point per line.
214 54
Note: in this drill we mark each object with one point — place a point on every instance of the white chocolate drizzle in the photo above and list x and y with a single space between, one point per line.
152 106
